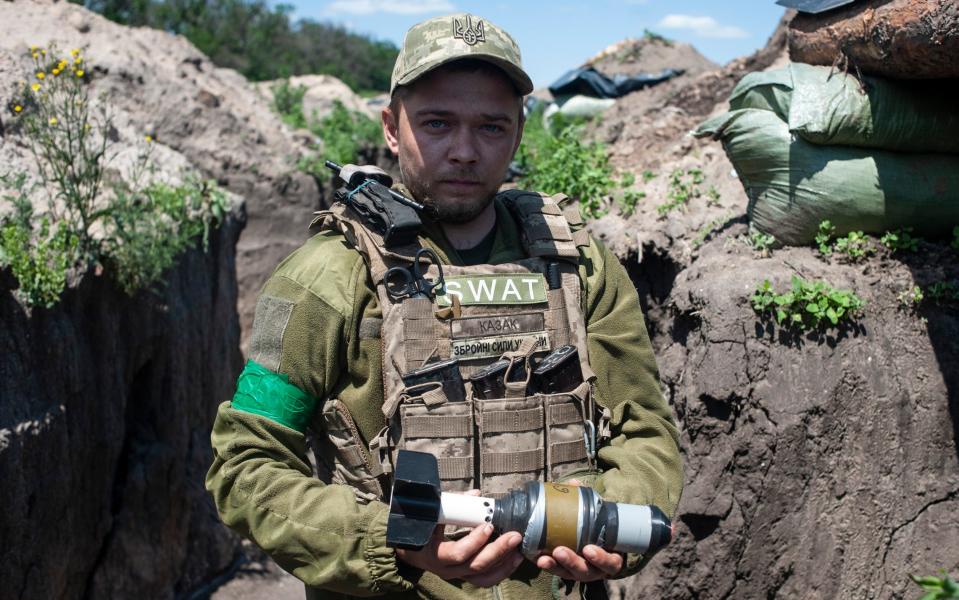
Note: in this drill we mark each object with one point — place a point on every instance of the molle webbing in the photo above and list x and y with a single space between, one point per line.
494 444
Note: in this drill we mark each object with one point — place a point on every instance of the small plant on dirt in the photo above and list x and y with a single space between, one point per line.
703 234
853 247
288 103
911 298
712 196
683 186
900 240
136 231
808 305
937 588
824 237
629 197
649 176
762 243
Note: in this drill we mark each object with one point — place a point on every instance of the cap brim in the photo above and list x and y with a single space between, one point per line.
524 85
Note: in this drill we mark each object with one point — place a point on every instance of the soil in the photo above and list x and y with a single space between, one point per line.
819 465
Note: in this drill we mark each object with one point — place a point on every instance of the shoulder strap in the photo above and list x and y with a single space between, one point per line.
545 225
369 244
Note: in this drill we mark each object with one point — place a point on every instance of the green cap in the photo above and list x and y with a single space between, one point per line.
440 40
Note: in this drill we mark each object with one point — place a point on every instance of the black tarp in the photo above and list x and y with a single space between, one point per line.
590 82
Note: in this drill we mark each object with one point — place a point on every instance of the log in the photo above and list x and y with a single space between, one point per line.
906 39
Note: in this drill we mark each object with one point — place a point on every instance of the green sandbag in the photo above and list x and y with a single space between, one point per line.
793 185
825 106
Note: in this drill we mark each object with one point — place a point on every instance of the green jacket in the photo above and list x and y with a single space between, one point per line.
309 327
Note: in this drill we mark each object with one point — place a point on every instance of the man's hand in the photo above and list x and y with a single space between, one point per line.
471 558
595 563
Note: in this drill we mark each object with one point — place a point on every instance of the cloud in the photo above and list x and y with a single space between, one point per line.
396 7
706 27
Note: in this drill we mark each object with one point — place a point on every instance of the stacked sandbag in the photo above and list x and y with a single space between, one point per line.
812 144
903 39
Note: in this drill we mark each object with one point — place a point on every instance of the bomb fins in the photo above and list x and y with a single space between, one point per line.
547 514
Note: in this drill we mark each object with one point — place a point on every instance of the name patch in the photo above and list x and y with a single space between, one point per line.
493 347
500 288
471 327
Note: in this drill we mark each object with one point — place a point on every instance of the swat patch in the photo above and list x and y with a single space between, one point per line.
497 288
471 327
493 347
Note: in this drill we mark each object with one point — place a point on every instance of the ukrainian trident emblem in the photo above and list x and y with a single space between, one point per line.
469 33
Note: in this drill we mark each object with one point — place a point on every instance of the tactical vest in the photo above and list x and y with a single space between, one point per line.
515 310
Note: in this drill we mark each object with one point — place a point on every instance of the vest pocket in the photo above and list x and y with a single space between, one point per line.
351 465
510 443
444 429
571 433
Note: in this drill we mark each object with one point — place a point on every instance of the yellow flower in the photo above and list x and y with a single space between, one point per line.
33 47
53 120
86 127
41 74
55 72
36 55
43 52
17 108
149 139
78 60
36 87
74 52
79 72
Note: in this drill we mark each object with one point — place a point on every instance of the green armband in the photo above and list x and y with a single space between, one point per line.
271 395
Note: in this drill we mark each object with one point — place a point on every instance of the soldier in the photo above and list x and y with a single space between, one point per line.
332 341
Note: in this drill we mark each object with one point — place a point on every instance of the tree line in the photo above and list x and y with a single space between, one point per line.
262 42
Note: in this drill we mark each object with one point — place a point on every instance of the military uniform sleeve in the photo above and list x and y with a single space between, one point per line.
261 480
641 464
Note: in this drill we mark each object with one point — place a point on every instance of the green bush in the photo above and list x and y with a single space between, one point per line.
288 103
149 228
136 231
808 305
345 133
558 160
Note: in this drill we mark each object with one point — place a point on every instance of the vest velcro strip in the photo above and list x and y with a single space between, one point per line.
562 452
437 426
501 421
497 463
564 414
455 467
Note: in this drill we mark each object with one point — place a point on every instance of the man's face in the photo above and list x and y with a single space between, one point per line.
455 133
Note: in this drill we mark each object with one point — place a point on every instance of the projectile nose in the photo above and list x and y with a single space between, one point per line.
662 529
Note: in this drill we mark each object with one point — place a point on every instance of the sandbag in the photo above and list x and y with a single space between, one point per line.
793 185
903 39
825 106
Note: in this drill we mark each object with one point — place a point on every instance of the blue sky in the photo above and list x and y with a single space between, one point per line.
558 35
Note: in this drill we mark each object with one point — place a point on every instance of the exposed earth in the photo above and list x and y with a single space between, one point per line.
817 466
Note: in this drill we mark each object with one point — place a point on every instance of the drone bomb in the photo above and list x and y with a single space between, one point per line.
547 514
